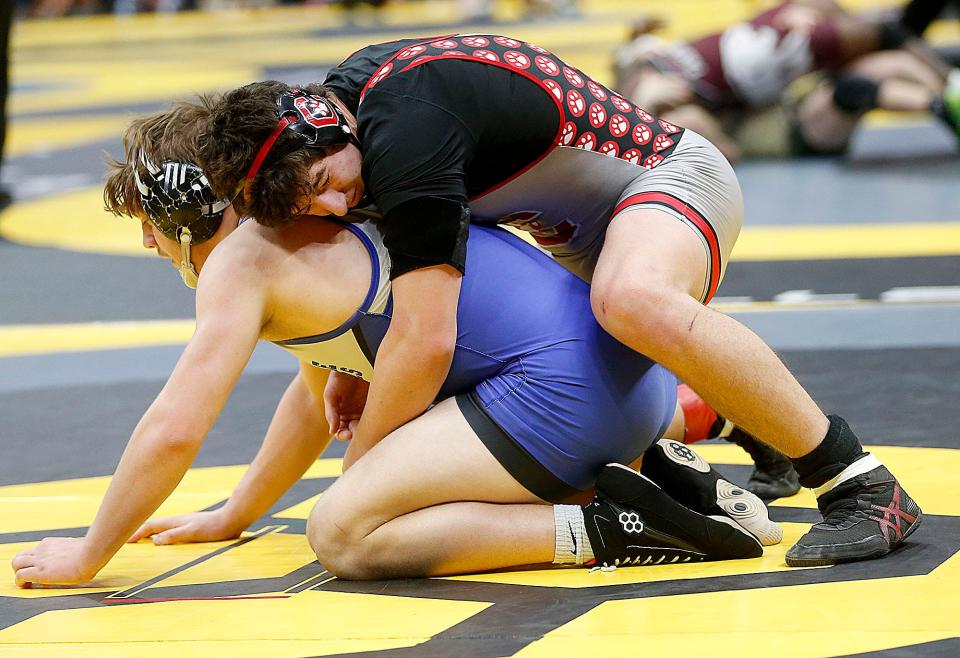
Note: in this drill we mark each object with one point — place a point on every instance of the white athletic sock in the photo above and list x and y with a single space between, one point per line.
572 544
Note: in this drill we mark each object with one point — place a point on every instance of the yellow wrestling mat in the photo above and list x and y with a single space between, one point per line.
265 595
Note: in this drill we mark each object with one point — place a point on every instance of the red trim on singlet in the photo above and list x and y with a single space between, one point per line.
528 76
695 218
363 92
469 58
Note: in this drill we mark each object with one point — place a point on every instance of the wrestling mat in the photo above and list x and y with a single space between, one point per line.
849 267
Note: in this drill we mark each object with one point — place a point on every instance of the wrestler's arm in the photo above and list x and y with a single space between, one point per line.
170 433
297 435
417 153
414 356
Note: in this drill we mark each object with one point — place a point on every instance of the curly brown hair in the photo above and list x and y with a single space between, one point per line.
167 135
239 125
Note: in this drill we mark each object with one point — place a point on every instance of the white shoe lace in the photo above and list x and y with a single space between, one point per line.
636 562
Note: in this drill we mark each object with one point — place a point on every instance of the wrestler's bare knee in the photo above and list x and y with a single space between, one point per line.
337 542
642 315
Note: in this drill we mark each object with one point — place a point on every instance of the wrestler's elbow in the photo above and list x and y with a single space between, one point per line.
439 341
174 439
169 433
432 336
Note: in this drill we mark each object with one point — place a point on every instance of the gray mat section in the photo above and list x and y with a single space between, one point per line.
896 397
831 191
117 366
860 327
81 431
814 329
864 277
890 397
42 286
892 144
45 173
949 648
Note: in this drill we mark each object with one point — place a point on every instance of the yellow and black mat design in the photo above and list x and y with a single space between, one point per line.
849 267
265 593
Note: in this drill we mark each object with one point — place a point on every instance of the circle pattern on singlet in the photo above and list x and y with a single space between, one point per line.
475 42
598 92
592 117
576 103
610 148
547 65
516 59
554 89
410 52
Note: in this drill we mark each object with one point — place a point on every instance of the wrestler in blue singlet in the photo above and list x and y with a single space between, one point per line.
551 395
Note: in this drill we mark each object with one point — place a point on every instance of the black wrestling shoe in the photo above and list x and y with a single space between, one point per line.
687 478
773 474
864 517
632 521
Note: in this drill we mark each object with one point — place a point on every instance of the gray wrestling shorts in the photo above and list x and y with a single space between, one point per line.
696 185
567 201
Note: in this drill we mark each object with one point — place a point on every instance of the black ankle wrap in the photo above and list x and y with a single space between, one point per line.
839 448
855 94
893 35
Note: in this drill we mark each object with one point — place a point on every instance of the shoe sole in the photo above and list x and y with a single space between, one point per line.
690 459
749 511
742 506
639 491
853 556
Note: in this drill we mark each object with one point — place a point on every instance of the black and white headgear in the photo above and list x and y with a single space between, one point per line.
177 198
176 195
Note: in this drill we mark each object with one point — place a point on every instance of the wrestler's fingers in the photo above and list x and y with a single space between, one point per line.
22 560
333 418
28 576
152 527
142 532
175 535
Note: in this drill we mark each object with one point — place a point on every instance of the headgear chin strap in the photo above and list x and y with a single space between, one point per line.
187 271
315 119
177 198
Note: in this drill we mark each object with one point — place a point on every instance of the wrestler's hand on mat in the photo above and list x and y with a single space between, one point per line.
54 561
343 400
188 528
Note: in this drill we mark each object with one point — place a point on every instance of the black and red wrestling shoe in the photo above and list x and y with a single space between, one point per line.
866 514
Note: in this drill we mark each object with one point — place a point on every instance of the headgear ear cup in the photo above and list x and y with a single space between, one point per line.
314 119
177 195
